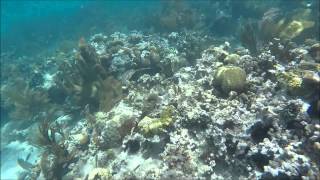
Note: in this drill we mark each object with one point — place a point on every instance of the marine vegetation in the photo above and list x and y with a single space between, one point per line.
175 15
277 25
55 158
25 103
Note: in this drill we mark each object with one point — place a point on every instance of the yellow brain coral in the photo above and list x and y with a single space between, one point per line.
230 78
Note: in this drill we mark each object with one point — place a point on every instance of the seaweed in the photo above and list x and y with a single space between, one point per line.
55 159
275 25
175 15
109 93
248 37
27 103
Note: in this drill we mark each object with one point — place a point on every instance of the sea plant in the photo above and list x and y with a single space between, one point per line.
276 25
25 101
55 158
109 92
174 16
248 37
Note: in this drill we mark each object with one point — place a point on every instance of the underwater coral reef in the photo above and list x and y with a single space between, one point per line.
175 102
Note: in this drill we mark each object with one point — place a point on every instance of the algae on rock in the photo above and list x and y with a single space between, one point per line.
99 173
150 125
299 83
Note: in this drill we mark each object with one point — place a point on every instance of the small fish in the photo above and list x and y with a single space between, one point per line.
314 109
24 164
28 156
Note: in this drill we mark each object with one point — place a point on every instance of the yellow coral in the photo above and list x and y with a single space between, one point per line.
99 173
153 125
292 82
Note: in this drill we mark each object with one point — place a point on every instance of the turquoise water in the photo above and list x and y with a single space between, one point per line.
160 89
31 24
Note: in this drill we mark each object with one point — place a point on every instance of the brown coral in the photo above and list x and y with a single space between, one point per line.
88 82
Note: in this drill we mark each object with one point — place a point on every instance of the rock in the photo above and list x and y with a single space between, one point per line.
232 59
314 109
230 78
111 127
99 173
217 52
81 138
304 83
315 52
316 146
177 63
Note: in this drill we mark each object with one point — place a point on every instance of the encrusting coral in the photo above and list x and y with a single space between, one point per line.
150 126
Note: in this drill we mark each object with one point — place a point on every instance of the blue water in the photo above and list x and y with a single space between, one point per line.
28 26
